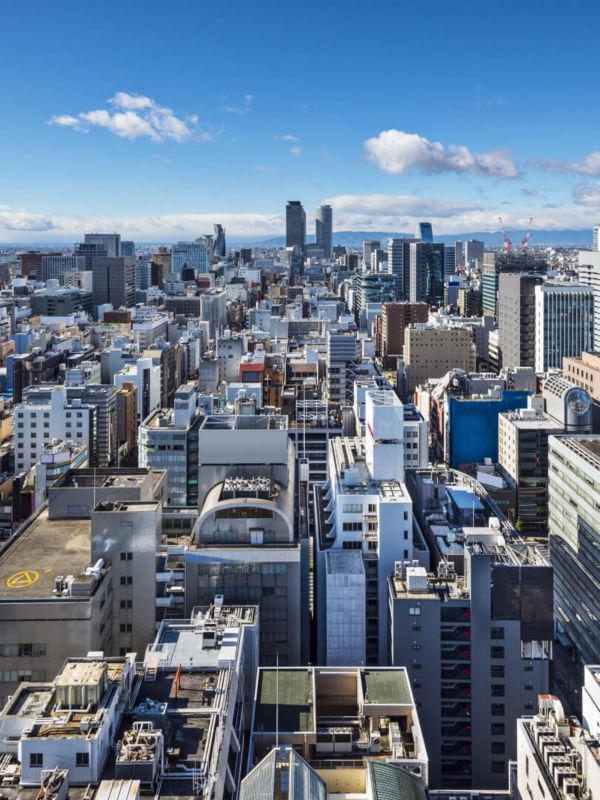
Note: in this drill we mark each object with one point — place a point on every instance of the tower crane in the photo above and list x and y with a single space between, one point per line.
507 247
527 237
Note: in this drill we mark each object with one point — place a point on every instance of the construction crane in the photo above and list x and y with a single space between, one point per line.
527 237
507 247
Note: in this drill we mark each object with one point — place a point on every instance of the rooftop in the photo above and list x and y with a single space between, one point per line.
290 691
44 550
386 687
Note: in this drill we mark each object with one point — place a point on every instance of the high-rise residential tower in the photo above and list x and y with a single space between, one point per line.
324 229
295 224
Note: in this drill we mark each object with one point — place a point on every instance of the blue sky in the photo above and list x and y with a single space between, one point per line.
159 118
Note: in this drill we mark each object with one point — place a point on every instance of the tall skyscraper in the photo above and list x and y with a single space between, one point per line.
596 238
190 255
516 318
324 229
369 247
427 273
127 248
424 232
114 281
473 253
295 225
574 498
112 242
220 248
564 323
399 265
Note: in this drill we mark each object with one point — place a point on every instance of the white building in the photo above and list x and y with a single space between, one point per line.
556 757
148 326
589 274
37 425
564 323
366 508
146 377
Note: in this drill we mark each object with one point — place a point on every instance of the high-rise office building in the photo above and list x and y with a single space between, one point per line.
127 247
473 254
564 323
369 246
399 265
190 255
343 352
324 229
574 538
295 225
589 274
424 232
113 281
596 238
89 251
112 242
64 269
427 273
497 262
220 247
516 318
449 260
395 317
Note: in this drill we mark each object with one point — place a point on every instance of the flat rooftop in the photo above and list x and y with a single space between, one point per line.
344 562
109 478
290 691
386 687
46 548
238 422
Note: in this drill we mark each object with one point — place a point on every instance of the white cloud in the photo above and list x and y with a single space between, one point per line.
589 165
296 151
135 116
287 137
399 152
242 108
587 194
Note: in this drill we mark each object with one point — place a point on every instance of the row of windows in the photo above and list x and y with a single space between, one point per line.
17 675
37 759
22 650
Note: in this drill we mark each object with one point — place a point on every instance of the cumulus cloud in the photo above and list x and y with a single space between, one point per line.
587 194
286 137
399 152
241 108
588 165
135 116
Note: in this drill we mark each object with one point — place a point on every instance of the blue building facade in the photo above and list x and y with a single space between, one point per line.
472 425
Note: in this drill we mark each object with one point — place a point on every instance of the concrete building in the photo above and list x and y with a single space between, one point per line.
395 318
430 351
244 545
295 225
473 254
369 247
516 318
127 426
476 639
168 439
564 323
103 445
189 255
557 756
146 377
64 269
113 281
61 302
498 262
584 371
324 229
342 356
574 499
38 425
213 309
342 722
364 514
589 275
110 241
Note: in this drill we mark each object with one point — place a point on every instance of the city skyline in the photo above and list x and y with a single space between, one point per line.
200 138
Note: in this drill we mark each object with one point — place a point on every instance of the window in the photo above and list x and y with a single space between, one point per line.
82 759
126 580
497 729
126 556
416 628
497 690
414 611
498 767
497 652
125 627
497 633
497 748
36 759
125 604
497 671
497 709
416 646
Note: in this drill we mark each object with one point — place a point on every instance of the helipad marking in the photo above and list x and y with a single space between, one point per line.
23 579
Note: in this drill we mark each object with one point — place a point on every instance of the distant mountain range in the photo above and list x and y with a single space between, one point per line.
561 238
